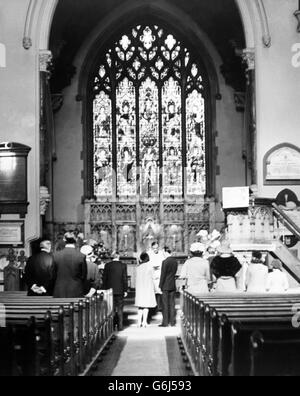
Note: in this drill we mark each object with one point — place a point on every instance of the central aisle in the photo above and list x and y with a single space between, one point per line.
151 351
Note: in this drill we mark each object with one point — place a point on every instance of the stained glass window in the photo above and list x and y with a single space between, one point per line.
126 139
102 146
195 124
149 118
149 139
172 139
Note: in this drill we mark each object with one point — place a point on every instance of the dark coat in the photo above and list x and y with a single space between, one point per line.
71 273
168 274
39 271
225 266
94 278
115 277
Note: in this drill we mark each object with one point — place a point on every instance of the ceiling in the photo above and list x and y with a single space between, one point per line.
74 20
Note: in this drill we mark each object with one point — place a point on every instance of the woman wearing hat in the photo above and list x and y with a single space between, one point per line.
225 268
196 271
257 274
277 281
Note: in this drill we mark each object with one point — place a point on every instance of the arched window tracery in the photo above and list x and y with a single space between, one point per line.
149 119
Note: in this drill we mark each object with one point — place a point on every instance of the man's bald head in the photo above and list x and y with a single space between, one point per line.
46 246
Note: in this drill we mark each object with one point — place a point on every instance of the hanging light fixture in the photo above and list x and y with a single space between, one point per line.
297 15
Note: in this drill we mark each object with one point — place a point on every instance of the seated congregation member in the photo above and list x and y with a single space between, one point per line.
257 273
71 270
167 285
93 279
39 271
277 281
196 271
144 289
225 268
115 277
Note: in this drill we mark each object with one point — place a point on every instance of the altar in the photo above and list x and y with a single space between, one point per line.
130 228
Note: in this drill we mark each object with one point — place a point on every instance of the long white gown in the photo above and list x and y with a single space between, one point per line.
144 288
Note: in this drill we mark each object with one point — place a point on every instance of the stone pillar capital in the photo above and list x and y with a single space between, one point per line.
45 60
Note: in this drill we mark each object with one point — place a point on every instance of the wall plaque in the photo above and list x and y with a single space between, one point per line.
282 165
13 178
11 233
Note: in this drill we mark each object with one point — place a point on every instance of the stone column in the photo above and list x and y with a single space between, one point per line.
248 56
45 62
45 58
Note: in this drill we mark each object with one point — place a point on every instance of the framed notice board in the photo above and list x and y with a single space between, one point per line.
13 178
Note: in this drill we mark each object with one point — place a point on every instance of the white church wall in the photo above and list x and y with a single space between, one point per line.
18 101
278 82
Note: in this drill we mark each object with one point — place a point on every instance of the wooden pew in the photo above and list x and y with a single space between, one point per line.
20 345
211 329
274 354
78 328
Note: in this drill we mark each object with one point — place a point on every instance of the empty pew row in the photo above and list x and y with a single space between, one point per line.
43 336
242 335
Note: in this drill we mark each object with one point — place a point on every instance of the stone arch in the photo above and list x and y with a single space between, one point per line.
40 16
163 11
172 17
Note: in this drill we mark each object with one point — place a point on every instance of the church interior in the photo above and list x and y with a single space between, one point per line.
131 123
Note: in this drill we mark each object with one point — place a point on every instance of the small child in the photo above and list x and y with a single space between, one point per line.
277 281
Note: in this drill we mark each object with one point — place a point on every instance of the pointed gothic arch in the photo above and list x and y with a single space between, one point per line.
92 64
87 59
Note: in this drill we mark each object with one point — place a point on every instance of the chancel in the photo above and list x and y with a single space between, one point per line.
149 149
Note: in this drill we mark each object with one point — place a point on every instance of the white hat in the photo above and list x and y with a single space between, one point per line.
197 247
203 234
87 250
215 244
215 235
91 242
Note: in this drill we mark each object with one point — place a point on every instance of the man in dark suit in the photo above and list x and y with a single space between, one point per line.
167 285
39 271
115 277
70 269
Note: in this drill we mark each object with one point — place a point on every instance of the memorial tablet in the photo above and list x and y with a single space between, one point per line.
13 178
282 165
11 233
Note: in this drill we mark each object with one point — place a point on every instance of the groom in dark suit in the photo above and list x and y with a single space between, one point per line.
167 285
